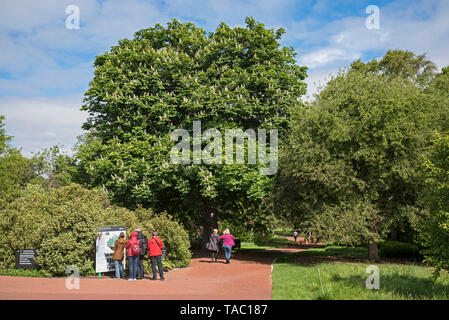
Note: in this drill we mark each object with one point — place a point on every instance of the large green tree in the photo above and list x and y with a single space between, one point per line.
166 78
15 170
350 170
436 227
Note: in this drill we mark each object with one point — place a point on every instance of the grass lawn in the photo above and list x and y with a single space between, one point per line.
296 277
24 273
276 241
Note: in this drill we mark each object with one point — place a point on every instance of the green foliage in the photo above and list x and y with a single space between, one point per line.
34 273
15 170
400 63
397 249
174 237
62 224
293 280
164 79
350 170
435 231
57 169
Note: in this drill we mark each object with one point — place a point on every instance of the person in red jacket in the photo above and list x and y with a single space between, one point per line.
133 249
155 247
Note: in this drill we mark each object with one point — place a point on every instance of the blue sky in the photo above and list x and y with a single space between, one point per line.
46 68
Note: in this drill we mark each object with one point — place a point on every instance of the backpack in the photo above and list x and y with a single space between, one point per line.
143 246
135 248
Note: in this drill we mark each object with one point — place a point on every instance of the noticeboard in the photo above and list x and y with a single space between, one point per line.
105 240
25 259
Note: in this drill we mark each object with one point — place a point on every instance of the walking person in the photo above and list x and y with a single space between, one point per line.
228 243
143 243
295 235
212 245
155 247
117 256
133 251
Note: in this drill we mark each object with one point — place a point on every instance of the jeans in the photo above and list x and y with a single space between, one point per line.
140 270
157 259
133 261
228 250
119 272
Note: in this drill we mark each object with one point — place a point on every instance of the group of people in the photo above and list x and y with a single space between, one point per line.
213 245
137 247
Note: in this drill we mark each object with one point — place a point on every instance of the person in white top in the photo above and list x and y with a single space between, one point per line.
295 234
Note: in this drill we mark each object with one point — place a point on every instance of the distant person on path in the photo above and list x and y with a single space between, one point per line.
143 242
133 251
228 243
295 235
212 245
155 246
117 256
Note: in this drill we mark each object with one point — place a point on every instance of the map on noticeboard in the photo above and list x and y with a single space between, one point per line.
105 240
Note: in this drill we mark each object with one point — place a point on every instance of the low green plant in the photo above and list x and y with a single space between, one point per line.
62 224
397 249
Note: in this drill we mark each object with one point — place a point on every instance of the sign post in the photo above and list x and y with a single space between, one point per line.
25 259
105 240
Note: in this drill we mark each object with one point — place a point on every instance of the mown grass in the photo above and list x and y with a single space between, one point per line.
341 280
276 241
25 273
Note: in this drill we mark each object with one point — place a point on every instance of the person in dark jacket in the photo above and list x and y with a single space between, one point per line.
143 242
155 246
118 255
212 245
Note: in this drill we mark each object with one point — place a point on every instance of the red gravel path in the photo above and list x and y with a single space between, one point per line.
247 277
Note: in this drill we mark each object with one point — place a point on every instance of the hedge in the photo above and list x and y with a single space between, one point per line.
62 224
397 249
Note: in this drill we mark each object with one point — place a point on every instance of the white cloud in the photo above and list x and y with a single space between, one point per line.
36 123
323 57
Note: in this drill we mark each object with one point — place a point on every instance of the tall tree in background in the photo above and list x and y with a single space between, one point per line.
350 170
166 78
400 63
436 226
15 170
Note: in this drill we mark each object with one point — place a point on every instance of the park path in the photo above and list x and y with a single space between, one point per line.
247 277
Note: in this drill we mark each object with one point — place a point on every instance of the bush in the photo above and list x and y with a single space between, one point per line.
174 237
62 224
397 249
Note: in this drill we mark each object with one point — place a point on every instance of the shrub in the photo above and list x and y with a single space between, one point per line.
239 231
397 249
174 237
62 224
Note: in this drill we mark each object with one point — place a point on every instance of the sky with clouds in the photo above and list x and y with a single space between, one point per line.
45 68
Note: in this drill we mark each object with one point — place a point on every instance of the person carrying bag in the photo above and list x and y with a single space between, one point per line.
155 248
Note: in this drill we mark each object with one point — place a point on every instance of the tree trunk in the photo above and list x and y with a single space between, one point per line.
373 251
210 222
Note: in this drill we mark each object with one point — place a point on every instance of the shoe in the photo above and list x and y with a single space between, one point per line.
130 279
153 278
162 278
